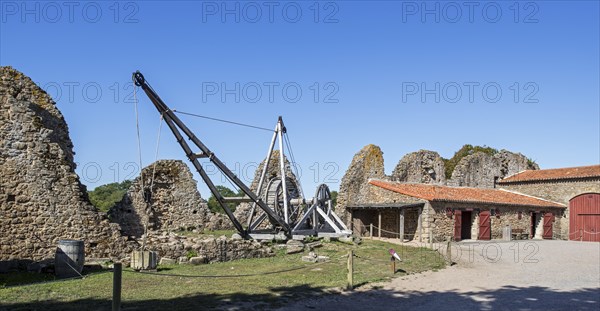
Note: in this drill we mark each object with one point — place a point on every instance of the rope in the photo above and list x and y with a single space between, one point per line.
288 143
137 126
156 154
375 227
224 121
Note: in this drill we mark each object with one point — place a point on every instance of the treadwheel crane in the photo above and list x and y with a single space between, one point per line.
280 198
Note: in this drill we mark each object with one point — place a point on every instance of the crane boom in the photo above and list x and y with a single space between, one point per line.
177 127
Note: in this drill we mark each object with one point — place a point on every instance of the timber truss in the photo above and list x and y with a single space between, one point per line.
279 200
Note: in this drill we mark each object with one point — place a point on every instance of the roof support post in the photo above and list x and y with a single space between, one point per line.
401 229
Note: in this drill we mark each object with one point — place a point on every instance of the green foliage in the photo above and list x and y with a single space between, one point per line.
334 195
466 150
214 205
104 197
191 253
531 163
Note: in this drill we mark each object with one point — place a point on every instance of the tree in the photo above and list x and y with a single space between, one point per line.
214 205
334 195
104 197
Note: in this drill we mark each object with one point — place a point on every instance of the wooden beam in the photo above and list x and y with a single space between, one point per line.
401 234
420 225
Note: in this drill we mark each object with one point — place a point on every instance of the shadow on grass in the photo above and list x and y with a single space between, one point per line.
18 278
294 298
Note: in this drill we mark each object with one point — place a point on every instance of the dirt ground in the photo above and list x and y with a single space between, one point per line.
498 275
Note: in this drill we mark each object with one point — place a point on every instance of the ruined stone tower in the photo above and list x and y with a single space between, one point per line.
174 202
41 197
366 164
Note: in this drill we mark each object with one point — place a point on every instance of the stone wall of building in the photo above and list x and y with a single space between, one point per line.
557 191
173 202
437 223
480 169
41 197
423 166
443 226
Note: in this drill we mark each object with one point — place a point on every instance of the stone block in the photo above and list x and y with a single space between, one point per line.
200 260
167 261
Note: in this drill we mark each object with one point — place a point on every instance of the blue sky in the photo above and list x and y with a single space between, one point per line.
371 62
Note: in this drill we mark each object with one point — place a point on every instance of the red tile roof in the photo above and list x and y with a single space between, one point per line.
554 174
464 194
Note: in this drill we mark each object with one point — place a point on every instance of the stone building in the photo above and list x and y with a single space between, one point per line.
578 188
416 211
485 194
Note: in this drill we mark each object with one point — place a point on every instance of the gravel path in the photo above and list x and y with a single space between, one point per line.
541 275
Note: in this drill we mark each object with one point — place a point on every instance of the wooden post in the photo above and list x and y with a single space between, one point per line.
350 270
449 251
430 237
352 221
393 265
379 225
371 231
401 234
117 274
420 225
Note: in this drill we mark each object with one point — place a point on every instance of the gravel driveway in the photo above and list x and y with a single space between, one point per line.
541 275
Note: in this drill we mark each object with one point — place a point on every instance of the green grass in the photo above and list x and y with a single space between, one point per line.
256 291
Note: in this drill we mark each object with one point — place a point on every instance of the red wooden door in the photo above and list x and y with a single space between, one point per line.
485 228
584 217
457 225
548 220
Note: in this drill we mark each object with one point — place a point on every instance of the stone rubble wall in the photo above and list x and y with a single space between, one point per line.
41 197
212 249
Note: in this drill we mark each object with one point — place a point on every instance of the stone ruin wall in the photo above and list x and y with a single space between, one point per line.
173 204
480 169
41 197
424 166
43 201
354 188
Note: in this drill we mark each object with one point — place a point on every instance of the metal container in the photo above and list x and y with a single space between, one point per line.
69 258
